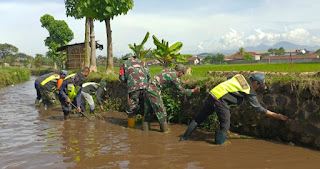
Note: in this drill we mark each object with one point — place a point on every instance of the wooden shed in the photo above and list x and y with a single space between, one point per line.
76 54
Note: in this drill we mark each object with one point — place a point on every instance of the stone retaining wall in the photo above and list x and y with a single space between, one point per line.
300 104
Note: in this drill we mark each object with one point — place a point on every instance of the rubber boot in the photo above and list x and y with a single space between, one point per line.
220 137
41 105
145 126
192 126
66 115
131 122
91 111
164 127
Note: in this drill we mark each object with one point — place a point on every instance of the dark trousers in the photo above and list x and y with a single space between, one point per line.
136 103
67 108
211 105
37 87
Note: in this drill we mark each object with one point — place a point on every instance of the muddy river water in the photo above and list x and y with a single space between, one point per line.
33 138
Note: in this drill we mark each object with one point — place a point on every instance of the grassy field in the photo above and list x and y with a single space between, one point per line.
199 71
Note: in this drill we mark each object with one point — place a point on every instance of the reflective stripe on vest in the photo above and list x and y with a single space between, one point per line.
236 84
72 75
90 83
48 79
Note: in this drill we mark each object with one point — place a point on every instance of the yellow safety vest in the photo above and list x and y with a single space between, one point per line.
48 79
236 84
72 75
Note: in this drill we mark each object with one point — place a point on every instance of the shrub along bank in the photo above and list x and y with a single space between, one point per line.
296 97
11 75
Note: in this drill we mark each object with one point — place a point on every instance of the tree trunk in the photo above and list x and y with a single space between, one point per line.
93 65
55 65
87 45
109 48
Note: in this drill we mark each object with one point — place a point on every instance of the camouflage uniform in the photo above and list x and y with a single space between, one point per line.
48 88
167 78
136 74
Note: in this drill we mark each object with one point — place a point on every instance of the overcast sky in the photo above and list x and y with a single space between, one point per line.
202 25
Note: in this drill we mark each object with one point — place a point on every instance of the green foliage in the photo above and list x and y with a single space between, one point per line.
40 71
241 51
37 61
248 56
138 50
103 9
165 53
215 59
7 50
59 34
171 104
73 9
10 75
275 51
210 123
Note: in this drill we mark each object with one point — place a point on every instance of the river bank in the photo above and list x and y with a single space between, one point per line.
11 76
33 138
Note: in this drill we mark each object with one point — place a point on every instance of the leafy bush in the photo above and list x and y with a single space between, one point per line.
11 75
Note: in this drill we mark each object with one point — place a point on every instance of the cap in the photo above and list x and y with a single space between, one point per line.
127 56
64 72
180 67
103 84
259 77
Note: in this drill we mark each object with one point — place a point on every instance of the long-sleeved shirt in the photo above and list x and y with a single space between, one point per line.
43 77
135 73
63 92
165 79
236 98
94 89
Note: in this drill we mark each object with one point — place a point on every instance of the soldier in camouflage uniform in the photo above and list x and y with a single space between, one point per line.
167 78
136 74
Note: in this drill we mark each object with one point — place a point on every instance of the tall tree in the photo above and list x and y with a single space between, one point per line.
241 51
7 49
74 9
80 9
59 34
106 10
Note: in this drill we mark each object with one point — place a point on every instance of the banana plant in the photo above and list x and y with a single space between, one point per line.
138 50
165 54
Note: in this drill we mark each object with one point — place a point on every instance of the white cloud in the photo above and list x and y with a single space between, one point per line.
234 40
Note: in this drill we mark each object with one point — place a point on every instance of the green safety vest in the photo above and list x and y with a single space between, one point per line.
72 91
48 79
236 84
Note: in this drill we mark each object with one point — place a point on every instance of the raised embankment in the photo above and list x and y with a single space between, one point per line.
11 75
288 94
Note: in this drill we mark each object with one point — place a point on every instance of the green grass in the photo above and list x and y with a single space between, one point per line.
11 75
